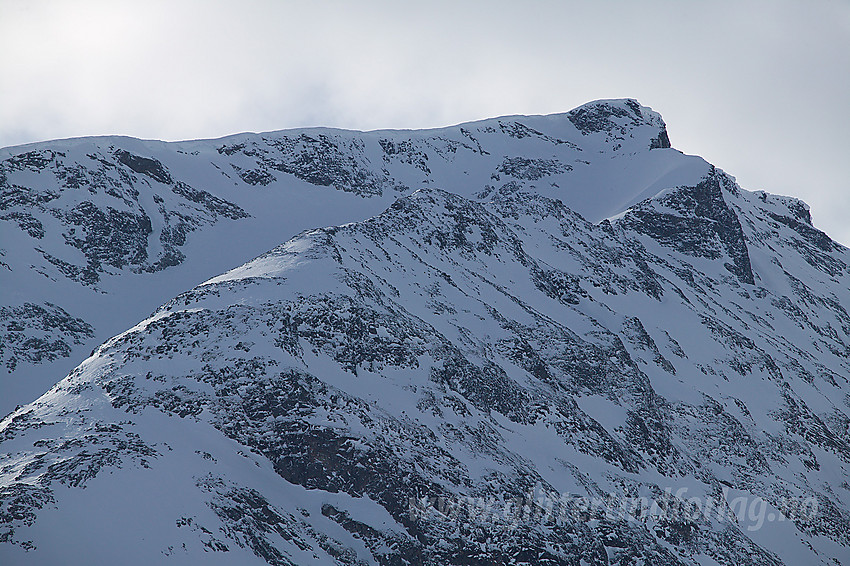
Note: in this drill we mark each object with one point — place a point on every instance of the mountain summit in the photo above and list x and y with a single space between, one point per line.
525 340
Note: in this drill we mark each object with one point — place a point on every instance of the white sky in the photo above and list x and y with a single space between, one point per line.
759 88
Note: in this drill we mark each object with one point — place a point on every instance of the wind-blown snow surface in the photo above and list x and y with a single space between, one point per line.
564 306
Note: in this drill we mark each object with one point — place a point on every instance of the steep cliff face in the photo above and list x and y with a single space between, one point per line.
556 341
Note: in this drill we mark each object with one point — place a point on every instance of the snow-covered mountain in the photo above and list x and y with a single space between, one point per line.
539 340
98 232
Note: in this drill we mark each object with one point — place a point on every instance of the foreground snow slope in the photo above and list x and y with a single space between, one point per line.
443 382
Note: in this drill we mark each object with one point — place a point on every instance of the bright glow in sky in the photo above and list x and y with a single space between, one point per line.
760 88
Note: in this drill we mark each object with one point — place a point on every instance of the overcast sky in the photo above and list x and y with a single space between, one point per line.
759 88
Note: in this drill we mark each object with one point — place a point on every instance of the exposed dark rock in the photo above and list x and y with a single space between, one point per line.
145 166
531 169
36 333
696 221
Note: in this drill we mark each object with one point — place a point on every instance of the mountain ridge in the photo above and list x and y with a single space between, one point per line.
143 208
469 347
652 118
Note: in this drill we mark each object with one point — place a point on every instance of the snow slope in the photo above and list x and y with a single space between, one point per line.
544 319
95 233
